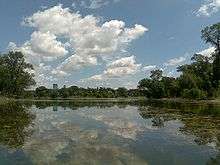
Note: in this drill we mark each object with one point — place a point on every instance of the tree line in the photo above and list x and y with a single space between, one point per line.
198 80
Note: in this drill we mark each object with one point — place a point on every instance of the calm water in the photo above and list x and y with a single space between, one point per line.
137 133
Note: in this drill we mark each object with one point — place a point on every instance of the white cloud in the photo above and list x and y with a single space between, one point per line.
207 52
209 7
122 67
96 77
93 4
89 39
149 68
46 45
70 41
175 61
12 46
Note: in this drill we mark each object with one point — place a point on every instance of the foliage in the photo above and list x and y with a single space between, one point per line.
193 93
74 91
15 74
198 80
211 35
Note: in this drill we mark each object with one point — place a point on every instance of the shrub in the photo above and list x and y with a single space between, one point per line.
194 93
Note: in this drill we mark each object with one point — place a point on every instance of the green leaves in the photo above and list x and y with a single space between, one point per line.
14 74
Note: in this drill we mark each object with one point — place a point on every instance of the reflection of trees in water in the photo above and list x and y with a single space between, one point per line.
201 120
214 161
74 105
14 120
198 108
204 126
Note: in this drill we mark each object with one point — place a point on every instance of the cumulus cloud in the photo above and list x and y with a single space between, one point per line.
175 61
70 41
209 7
119 68
46 45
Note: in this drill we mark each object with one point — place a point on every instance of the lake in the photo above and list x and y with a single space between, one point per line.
110 133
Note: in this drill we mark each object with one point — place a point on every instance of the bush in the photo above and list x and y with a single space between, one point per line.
216 92
194 93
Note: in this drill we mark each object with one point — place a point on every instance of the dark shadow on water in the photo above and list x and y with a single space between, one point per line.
186 107
14 121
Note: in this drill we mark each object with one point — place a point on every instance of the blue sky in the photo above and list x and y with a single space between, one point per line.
168 33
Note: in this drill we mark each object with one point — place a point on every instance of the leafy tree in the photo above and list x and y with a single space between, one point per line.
171 86
15 73
42 91
211 35
194 93
156 74
64 92
198 74
154 87
122 92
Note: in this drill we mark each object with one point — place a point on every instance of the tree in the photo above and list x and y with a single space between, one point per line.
156 74
122 92
42 91
63 92
211 35
198 74
15 73
170 86
154 87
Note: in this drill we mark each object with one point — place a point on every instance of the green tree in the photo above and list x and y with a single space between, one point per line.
156 74
211 35
154 87
64 93
122 92
42 91
198 74
15 74
171 87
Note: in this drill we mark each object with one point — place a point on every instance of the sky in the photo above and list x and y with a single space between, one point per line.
109 43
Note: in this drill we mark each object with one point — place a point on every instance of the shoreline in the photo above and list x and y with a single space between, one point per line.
83 99
4 100
177 100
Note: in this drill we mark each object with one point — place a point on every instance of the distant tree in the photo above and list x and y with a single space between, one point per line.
63 92
42 91
154 87
122 92
15 73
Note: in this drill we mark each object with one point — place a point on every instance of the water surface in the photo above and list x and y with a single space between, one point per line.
133 133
